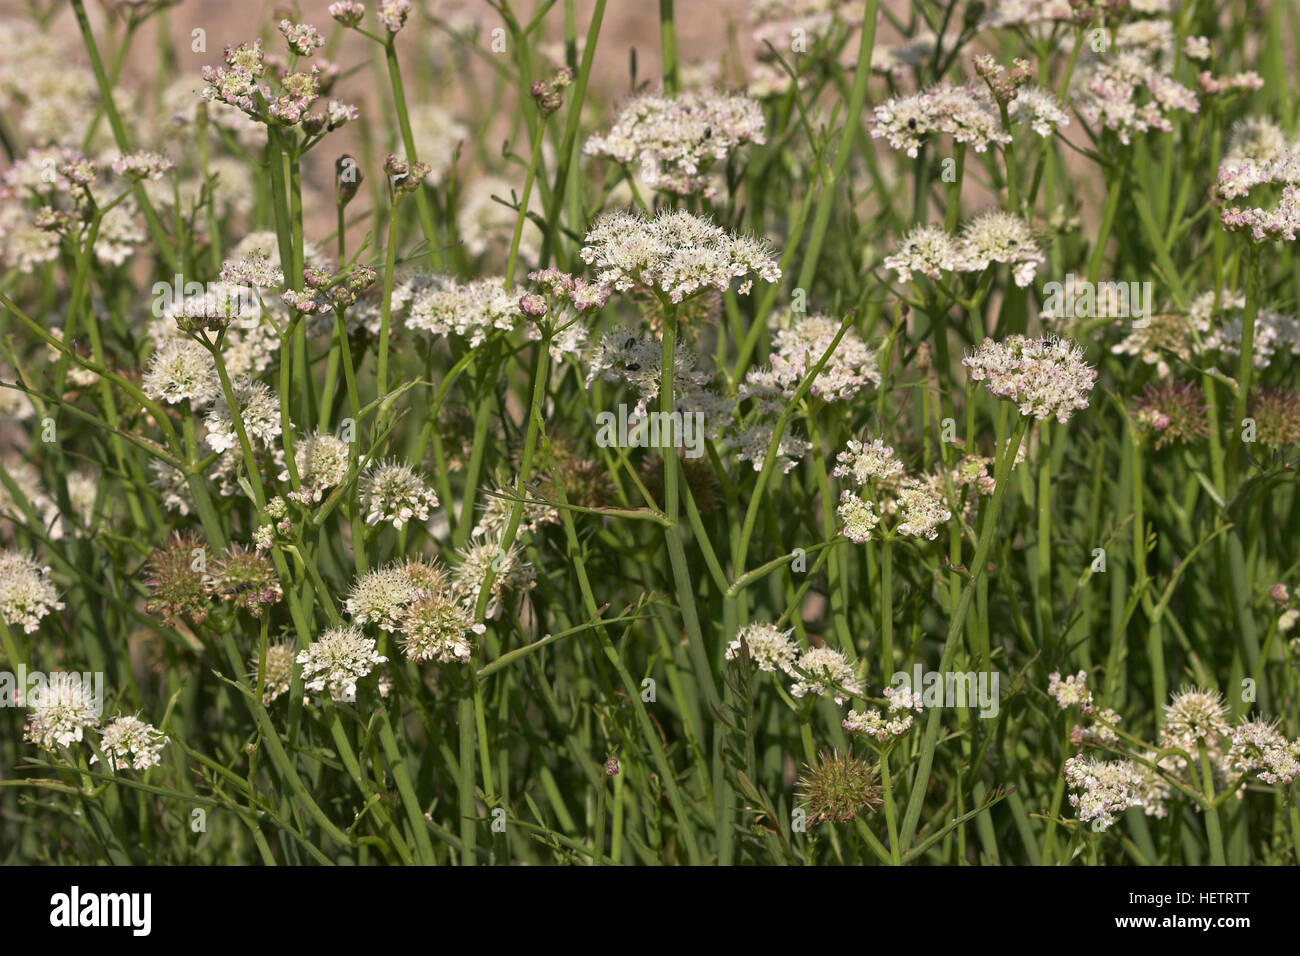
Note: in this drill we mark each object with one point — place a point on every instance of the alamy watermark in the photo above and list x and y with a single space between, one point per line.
26 688
952 688
1082 299
77 909
651 430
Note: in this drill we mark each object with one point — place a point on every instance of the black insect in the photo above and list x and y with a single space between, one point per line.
629 343
708 131
911 123
634 366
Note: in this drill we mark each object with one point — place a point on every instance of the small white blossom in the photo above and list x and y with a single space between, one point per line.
393 492
857 516
26 594
825 671
61 710
130 742
181 369
770 648
676 139
341 657
437 627
868 463
259 410
676 253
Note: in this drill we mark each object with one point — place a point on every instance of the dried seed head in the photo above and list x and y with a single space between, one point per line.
246 577
174 576
838 788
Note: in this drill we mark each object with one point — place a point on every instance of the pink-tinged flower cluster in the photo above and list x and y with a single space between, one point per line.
1258 748
1236 179
1211 85
393 13
965 113
798 349
1172 412
348 12
676 139
1106 788
303 38
236 82
1070 691
143 165
1044 377
1126 93
583 295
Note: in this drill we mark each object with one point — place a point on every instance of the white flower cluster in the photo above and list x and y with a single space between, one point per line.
321 460
916 506
438 627
436 134
432 614
676 139
1071 691
857 516
61 711
382 595
1194 719
1039 109
866 463
26 594
1257 747
770 648
496 511
1220 330
335 662
751 444
279 671
130 742
181 370
823 670
992 237
826 672
774 21
486 224
675 253
394 493
473 309
890 724
1255 139
259 410
510 572
636 360
966 113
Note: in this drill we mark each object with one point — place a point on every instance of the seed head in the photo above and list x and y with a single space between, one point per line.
839 788
176 587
